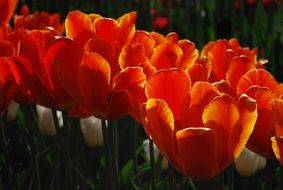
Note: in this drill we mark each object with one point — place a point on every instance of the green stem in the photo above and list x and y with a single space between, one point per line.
269 174
152 164
107 153
28 110
134 145
170 176
67 155
114 148
11 178
230 177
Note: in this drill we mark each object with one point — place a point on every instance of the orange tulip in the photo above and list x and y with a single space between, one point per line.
87 77
230 61
198 129
261 86
37 21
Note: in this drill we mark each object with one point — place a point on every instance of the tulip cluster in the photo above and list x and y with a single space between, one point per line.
200 107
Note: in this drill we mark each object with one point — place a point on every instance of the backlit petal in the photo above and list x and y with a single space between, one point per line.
158 122
257 77
277 146
166 55
171 85
237 68
277 110
259 141
77 22
94 84
198 152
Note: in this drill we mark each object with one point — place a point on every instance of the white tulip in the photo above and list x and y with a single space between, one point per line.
46 122
92 131
12 111
261 162
246 163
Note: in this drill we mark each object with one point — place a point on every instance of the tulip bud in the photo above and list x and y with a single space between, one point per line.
246 163
12 111
92 131
261 162
164 164
146 145
46 122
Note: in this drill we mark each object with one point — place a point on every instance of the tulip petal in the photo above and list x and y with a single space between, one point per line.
77 22
259 77
108 30
6 49
158 122
127 24
237 68
166 55
198 152
94 84
222 115
65 56
7 9
277 110
158 38
190 54
277 146
201 95
259 141
248 116
145 39
132 80
171 85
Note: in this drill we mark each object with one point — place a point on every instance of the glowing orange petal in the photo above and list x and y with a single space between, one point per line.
190 54
277 109
94 84
259 141
196 72
76 22
131 80
222 115
159 38
158 122
220 62
94 16
145 39
166 55
277 146
248 116
225 88
198 153
127 24
201 94
237 68
172 37
170 85
257 77
234 43
107 29
133 56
